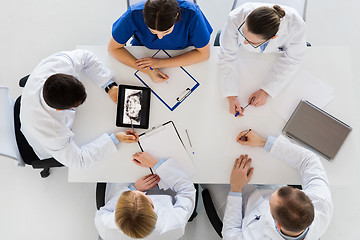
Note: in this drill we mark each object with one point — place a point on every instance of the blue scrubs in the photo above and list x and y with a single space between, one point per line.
192 29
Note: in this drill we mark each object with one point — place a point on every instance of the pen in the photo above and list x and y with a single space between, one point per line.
160 75
187 134
251 101
132 126
241 138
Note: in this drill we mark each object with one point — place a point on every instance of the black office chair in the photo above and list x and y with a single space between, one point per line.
27 153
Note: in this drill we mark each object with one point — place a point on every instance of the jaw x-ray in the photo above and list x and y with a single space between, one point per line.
133 106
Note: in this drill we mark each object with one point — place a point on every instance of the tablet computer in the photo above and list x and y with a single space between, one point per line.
133 106
316 129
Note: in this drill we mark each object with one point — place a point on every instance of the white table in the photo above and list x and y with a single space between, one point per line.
205 115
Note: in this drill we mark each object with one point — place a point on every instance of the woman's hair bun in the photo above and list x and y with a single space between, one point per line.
279 11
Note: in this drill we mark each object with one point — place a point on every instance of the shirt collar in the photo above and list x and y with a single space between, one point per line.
300 237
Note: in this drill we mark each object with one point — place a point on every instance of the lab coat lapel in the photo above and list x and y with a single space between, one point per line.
269 226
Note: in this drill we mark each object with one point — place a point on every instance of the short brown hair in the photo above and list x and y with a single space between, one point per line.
134 215
265 21
295 211
161 15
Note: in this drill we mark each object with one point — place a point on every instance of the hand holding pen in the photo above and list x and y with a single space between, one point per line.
251 138
157 76
243 108
132 134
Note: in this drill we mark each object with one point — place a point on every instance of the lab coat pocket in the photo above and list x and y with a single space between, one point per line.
281 49
254 217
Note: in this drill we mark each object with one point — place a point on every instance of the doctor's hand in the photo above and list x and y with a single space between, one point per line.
113 93
157 76
260 98
234 106
147 182
148 62
144 159
251 139
128 137
241 173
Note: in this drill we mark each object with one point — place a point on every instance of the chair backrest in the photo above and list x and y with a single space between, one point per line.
132 2
298 5
8 145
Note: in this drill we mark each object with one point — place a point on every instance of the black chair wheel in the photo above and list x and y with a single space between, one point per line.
45 173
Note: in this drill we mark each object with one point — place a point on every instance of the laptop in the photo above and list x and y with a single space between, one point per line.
311 126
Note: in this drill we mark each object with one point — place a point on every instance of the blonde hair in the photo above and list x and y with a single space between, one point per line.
134 214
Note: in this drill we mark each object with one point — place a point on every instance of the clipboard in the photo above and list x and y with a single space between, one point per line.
164 142
173 91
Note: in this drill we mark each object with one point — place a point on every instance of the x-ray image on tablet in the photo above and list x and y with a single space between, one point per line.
133 106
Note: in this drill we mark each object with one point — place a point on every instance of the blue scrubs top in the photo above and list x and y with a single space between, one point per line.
192 29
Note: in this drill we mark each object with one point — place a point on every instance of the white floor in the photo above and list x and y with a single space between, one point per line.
52 208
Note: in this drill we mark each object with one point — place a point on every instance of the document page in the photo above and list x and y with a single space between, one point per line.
304 87
164 143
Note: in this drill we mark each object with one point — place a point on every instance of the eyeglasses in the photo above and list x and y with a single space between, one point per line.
251 43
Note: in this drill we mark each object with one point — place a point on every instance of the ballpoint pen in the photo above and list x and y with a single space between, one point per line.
160 75
132 126
251 101
241 138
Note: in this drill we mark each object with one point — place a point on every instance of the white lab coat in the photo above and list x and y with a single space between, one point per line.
49 131
172 218
316 187
290 43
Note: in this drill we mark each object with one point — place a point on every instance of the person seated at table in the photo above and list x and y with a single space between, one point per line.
49 99
133 213
161 24
267 212
260 28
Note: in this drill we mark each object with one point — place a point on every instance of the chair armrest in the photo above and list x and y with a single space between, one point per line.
211 212
100 195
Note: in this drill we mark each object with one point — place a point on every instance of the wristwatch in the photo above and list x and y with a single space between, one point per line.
107 88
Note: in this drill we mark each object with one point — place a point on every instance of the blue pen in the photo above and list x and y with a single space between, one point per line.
156 73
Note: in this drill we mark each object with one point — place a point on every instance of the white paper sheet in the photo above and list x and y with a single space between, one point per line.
172 88
304 87
163 142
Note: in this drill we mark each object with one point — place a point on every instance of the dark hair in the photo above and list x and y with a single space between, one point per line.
62 91
265 21
160 15
296 211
